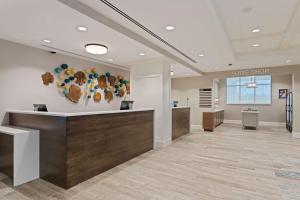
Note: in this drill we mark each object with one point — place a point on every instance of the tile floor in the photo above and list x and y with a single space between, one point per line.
228 164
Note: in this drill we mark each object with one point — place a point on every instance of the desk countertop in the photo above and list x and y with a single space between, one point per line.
180 107
251 112
64 114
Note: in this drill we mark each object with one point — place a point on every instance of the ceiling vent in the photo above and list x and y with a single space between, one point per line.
146 29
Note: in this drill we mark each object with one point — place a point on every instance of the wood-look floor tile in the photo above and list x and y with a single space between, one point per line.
228 164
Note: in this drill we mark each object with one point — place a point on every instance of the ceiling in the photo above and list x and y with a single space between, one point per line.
220 30
31 21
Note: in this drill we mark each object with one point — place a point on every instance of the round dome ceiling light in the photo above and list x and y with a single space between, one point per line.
96 49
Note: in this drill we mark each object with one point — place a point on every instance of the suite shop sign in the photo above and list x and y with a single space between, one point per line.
251 72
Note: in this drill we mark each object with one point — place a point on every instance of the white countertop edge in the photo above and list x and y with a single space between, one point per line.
180 107
254 112
14 130
62 114
218 109
214 110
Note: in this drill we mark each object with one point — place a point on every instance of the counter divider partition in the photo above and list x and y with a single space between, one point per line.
180 122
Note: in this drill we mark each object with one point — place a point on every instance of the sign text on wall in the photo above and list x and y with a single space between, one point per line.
251 72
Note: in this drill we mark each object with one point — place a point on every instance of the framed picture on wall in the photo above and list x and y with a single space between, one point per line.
282 93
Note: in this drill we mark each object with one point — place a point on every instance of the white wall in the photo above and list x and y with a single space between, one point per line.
188 88
296 106
21 85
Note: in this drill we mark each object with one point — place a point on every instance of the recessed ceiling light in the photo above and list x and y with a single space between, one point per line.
47 41
171 73
82 28
110 60
256 30
201 55
288 61
142 54
170 28
255 45
97 49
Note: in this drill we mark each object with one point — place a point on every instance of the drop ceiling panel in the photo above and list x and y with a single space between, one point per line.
241 16
266 43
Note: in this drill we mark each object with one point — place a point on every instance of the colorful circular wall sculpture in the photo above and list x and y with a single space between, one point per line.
73 84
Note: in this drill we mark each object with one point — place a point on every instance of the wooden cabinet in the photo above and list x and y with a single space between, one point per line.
213 119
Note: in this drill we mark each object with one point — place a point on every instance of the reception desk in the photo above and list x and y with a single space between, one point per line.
180 122
77 146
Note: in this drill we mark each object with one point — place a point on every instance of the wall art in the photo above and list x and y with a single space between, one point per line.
47 78
87 84
282 93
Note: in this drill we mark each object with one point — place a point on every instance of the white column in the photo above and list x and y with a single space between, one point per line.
296 103
151 88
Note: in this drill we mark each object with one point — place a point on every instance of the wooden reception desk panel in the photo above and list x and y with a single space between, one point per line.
180 122
99 143
6 154
76 148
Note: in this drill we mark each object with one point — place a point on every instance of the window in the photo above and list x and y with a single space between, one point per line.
249 90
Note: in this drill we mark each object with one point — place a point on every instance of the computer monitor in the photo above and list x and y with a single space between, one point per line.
126 105
40 107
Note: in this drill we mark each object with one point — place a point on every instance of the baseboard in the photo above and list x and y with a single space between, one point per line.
162 143
296 135
196 127
227 121
280 124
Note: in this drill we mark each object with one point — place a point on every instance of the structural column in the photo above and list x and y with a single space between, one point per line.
296 103
151 87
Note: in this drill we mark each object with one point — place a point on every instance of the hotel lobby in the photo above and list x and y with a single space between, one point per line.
154 100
